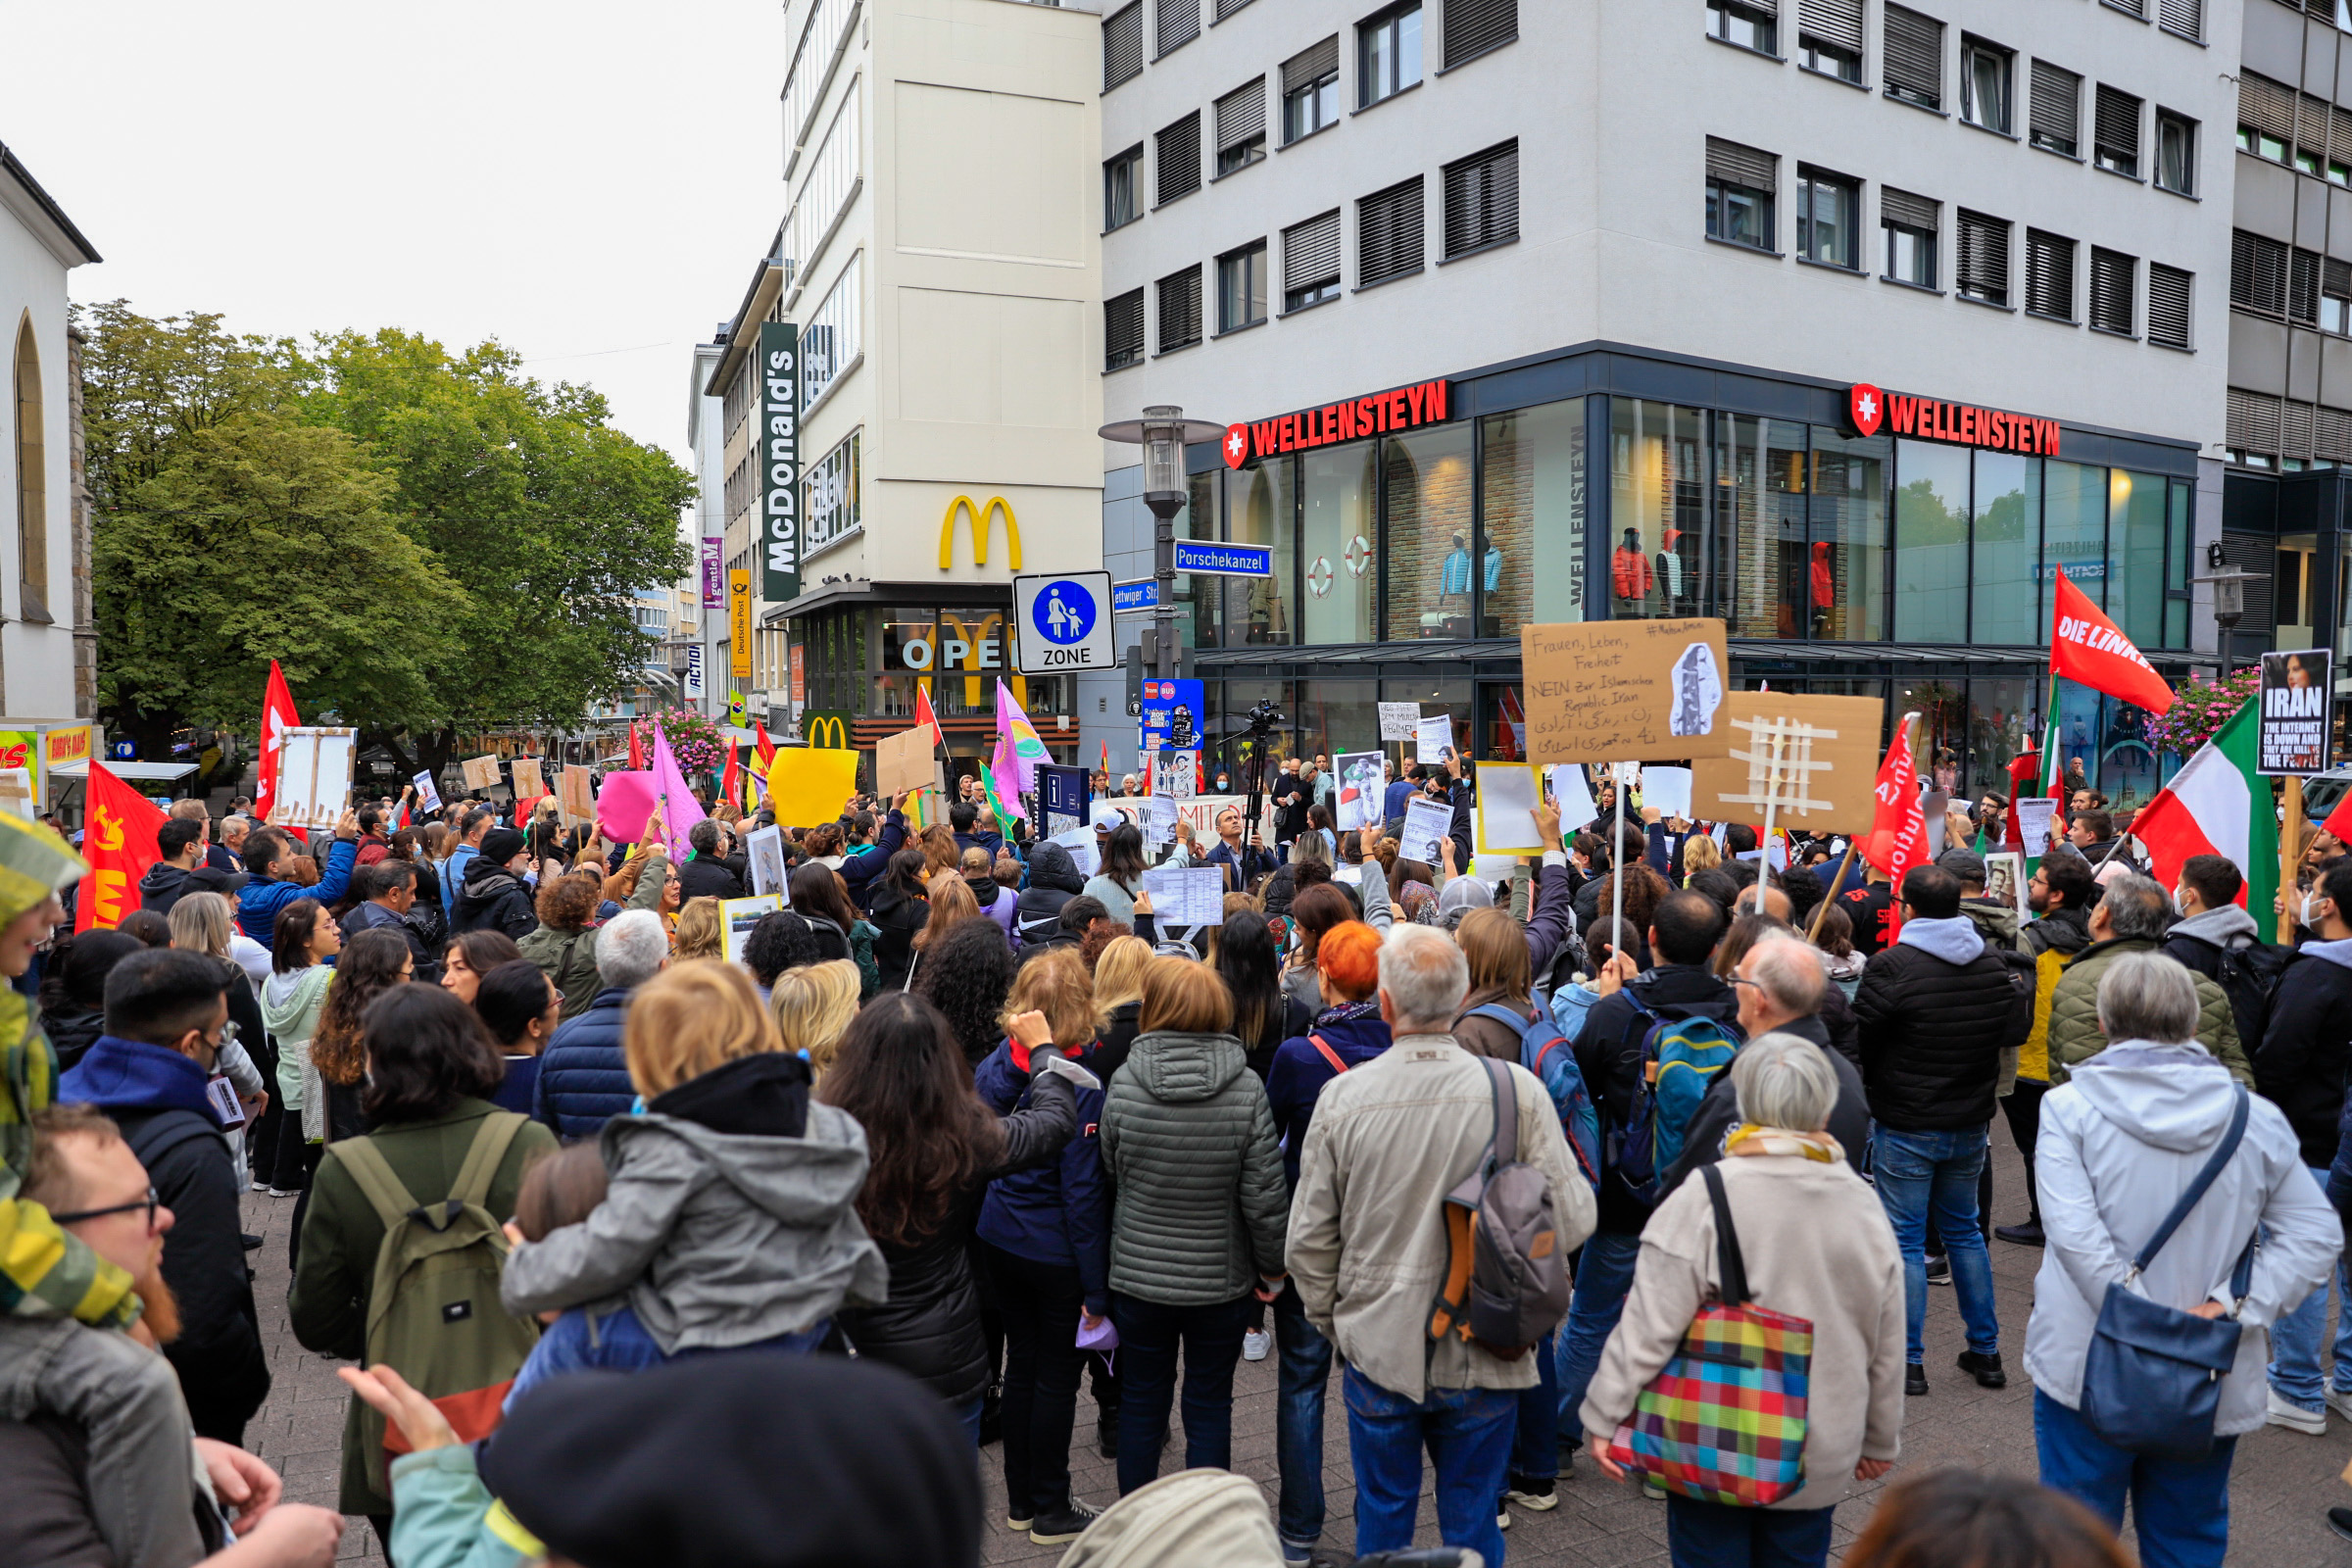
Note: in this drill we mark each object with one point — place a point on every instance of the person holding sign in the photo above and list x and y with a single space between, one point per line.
268 853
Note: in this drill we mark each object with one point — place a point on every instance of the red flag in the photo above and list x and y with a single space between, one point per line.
277 715
1106 765
2086 646
766 747
119 845
636 749
726 781
1898 832
2339 821
924 714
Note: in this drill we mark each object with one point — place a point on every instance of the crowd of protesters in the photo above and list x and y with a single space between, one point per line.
620 1208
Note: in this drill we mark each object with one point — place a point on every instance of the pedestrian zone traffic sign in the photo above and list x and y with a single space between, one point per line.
1065 621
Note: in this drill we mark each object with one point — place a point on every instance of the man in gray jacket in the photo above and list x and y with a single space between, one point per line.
1397 1134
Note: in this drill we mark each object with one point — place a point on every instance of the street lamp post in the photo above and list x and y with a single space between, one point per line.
1163 433
2229 580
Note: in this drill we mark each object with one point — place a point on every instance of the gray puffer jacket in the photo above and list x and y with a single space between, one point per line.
1203 1207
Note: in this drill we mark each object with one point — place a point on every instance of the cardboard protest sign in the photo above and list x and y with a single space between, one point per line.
809 785
1398 721
478 772
530 782
903 761
1825 758
1622 690
575 793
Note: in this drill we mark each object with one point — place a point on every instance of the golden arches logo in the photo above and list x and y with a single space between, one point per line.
983 524
818 725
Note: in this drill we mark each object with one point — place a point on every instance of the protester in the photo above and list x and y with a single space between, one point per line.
966 975
166 1014
291 1001
700 933
2130 916
1937 1010
2213 926
1961 1518
707 872
2122 1143
1813 1242
201 923
1398 1136
179 849
471 955
493 897
583 1074
1116 884
562 944
387 893
72 994
812 1006
780 940
270 862
1054 880
2060 894
371 965
820 898
1314 912
900 912
520 1008
1263 1014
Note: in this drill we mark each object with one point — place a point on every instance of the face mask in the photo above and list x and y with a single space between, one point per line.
2180 902
2311 918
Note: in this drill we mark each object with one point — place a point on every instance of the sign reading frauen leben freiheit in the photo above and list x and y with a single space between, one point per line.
779 440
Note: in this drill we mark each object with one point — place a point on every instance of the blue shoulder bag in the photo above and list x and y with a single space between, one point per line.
2152 1378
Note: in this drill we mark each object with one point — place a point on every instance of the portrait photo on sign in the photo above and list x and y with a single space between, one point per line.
1697 691
766 847
1426 823
1362 784
2292 733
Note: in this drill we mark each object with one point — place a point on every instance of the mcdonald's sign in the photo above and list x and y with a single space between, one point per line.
982 520
819 725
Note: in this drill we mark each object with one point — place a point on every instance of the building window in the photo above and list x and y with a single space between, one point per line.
2184 16
2054 112
1910 223
1123 46
1741 183
1911 54
1474 26
1310 262
2049 275
1122 188
1743 24
1388 233
1985 84
1241 127
1179 308
832 339
2115 135
1482 200
2257 274
2303 287
1388 54
1983 258
2311 135
1828 218
2335 296
1123 330
829 493
1179 24
1829 37
2177 154
1179 152
2113 279
2266 117
1310 90
1241 288
32 477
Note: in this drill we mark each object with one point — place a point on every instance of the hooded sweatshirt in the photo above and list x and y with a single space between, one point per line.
1954 940
729 1218
162 886
290 1004
2121 1141
1202 1205
1054 881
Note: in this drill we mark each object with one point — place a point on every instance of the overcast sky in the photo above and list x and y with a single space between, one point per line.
589 182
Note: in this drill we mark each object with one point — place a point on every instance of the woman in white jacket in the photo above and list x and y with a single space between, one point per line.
2121 1142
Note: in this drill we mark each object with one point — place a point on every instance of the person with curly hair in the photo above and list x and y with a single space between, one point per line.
563 943
966 975
781 941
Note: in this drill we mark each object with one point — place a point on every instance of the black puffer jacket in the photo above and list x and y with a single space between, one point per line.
1054 881
930 1327
2307 1046
1932 1035
897 918
493 899
704 877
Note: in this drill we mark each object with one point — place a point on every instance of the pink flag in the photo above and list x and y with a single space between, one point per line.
680 811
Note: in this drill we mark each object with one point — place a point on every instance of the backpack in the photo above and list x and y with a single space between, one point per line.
1507 1276
1681 1059
2249 977
2024 980
433 1310
1544 1051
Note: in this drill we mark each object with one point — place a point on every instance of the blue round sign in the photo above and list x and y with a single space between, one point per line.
1064 612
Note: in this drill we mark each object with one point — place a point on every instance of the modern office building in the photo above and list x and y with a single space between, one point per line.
1850 322
908 389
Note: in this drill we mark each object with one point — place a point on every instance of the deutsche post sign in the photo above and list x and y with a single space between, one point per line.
739 624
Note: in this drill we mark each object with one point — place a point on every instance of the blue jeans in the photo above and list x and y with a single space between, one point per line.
1468 1435
1604 1273
1149 1333
967 1415
1304 1373
1917 1172
612 1341
1713 1534
2180 1507
1536 1450
2295 1338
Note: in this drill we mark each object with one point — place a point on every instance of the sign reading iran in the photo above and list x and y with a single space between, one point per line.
1397 408
1960 424
779 380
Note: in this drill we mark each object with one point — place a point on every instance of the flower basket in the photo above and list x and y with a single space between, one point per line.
2199 709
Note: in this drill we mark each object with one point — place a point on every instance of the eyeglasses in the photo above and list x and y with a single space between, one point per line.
1742 980
151 1202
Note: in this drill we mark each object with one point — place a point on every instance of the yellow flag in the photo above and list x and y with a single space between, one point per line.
809 785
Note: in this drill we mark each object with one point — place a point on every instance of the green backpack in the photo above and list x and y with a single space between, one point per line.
433 1313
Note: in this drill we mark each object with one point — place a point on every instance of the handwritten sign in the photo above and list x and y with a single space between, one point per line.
1399 721
479 772
1819 763
1605 691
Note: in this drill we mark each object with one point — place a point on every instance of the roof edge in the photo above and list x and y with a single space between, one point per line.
14 168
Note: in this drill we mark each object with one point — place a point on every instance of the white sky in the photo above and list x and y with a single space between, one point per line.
590 182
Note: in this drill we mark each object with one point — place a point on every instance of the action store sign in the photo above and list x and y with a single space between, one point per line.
1868 409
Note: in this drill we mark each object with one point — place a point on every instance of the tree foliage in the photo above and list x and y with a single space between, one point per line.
427 542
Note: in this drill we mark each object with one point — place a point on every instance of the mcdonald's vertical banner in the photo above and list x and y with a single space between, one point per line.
780 462
739 624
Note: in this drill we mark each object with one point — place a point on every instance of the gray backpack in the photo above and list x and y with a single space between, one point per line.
1507 1283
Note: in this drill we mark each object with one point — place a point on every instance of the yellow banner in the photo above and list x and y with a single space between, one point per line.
739 624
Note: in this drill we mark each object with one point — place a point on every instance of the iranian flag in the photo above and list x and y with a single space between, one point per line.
2217 805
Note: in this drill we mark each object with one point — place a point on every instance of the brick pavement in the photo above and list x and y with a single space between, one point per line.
2282 1485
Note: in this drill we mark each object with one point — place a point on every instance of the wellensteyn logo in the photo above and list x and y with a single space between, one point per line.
783 463
2100 639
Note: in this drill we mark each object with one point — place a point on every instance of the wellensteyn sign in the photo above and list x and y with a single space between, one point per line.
779 462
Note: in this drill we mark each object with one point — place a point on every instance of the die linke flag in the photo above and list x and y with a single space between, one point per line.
278 716
1898 830
2086 646
120 844
2217 805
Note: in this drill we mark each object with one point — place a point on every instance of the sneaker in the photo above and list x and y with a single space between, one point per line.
260 1187
1055 1526
1256 1342
2339 1400
2339 1520
2028 1235
1986 1369
1503 1518
1914 1380
285 1192
1017 1524
1536 1495
1652 1490
1939 1271
2287 1414
252 1243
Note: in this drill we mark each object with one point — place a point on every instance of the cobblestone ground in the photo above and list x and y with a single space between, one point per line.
2282 1482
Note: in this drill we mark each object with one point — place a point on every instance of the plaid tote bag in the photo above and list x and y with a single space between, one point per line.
1724 1420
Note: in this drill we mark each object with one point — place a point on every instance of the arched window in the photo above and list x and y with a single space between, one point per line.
32 484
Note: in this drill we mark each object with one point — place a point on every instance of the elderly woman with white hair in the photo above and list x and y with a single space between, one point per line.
2120 1170
1814 1244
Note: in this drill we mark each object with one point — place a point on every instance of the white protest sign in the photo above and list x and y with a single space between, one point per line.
429 795
1432 739
1185 896
2033 813
1574 792
1668 789
1080 841
1364 783
1398 721
1426 821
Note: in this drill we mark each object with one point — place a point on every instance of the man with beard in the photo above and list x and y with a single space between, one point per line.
100 1460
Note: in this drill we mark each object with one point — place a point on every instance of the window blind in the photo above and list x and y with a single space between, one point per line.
1310 252
1735 165
2049 274
1481 199
1984 269
2252 423
1474 26
1123 330
1226 8
2168 306
1242 114
1832 22
2113 275
1180 309
2295 430
2303 287
1179 24
2184 16
2117 126
2257 273
2266 105
1123 46
1311 66
2129 8
2054 107
1912 56
1179 150
2335 278
1912 211
1387 235
2332 434
2311 124
2340 135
